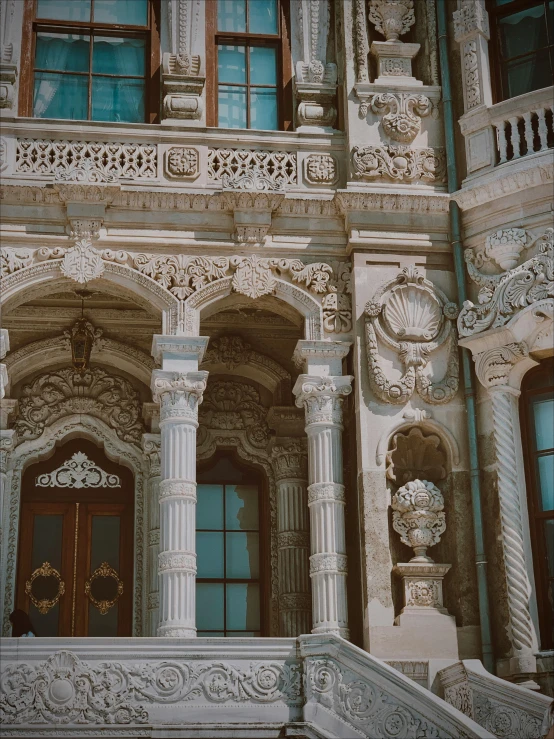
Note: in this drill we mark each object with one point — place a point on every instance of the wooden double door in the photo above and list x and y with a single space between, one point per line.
75 571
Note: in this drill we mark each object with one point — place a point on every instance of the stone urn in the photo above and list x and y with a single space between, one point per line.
505 247
392 18
418 516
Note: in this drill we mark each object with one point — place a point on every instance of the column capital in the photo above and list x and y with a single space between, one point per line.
181 353
495 367
471 19
152 448
320 357
179 393
322 396
290 458
7 445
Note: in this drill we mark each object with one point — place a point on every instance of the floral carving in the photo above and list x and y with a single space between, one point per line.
402 114
84 170
12 260
64 392
78 472
228 350
413 317
423 593
502 295
66 690
82 262
180 274
235 406
181 162
400 163
392 18
418 516
505 721
321 169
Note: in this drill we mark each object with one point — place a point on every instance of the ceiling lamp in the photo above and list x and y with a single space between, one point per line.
82 337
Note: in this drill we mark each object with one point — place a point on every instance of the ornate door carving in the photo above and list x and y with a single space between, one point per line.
75 573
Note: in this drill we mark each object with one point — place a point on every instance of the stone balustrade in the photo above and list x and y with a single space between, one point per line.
523 125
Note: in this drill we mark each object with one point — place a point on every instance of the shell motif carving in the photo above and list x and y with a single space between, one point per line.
414 318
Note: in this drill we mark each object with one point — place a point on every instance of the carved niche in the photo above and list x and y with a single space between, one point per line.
414 318
64 392
414 455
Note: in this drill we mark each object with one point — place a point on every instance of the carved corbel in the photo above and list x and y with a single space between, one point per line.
316 79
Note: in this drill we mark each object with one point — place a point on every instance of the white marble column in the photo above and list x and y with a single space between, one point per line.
293 538
178 387
321 396
151 446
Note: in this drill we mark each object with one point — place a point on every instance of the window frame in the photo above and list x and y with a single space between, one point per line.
253 476
151 34
499 11
280 41
538 381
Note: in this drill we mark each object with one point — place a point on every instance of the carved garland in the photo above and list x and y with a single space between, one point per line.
410 315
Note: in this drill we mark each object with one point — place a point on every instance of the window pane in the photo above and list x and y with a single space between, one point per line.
231 15
243 555
263 65
60 96
243 607
546 481
117 99
232 107
241 507
549 538
47 547
63 52
64 10
543 411
522 32
231 64
122 56
527 74
124 12
209 554
209 606
262 16
263 109
209 507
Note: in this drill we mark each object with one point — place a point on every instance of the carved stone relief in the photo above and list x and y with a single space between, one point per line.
182 163
392 18
414 318
321 169
418 516
415 455
78 472
402 113
399 163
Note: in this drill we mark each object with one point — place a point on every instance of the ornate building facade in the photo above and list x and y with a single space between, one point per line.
277 403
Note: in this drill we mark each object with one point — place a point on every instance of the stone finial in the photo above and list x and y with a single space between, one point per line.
418 516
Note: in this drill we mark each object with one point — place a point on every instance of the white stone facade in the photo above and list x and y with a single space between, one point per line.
290 298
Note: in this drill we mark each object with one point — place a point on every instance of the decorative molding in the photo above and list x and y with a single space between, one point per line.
501 298
399 163
418 516
414 318
53 395
402 113
182 162
392 18
78 472
434 203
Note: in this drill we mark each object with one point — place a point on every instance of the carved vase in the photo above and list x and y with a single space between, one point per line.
418 516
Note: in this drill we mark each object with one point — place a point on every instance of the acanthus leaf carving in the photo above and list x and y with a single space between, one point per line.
235 406
399 162
78 472
414 318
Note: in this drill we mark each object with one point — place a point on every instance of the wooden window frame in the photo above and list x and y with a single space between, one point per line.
499 11
151 34
264 578
280 41
534 385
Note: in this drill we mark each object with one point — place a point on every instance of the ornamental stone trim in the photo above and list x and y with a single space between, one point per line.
326 491
399 163
328 563
177 562
293 539
177 489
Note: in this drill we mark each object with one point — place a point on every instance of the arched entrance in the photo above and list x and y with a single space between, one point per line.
75 573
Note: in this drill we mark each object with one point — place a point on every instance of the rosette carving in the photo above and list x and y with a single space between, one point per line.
413 317
418 516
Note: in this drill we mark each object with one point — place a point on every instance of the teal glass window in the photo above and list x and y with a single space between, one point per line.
248 64
86 69
227 553
524 45
537 414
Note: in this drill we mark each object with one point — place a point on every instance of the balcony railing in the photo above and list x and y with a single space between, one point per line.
523 125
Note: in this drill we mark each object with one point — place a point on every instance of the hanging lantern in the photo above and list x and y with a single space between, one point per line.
82 337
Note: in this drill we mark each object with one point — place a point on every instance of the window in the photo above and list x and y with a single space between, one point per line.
228 600
92 60
250 63
537 414
522 36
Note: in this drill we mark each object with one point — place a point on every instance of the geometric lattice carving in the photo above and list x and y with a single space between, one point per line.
235 168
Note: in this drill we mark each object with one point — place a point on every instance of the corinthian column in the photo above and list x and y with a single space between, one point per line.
322 397
293 538
151 444
178 387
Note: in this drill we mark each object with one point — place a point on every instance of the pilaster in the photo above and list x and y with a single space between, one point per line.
151 446
178 387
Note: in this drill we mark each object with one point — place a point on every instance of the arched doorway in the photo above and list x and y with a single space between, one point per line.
75 574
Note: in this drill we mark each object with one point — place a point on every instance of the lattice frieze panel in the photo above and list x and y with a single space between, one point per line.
231 166
120 160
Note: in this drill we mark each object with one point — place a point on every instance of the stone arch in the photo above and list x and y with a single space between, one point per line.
28 452
203 302
48 353
236 440
46 277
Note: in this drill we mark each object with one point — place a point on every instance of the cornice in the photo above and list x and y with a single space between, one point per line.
348 201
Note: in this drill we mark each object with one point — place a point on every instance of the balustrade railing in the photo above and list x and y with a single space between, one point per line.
523 125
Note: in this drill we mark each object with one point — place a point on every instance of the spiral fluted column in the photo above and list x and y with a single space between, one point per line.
179 394
322 399
293 538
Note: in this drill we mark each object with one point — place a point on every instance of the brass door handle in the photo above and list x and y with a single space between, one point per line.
103 604
43 605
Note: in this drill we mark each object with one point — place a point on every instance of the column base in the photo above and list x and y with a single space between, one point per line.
345 633
177 632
